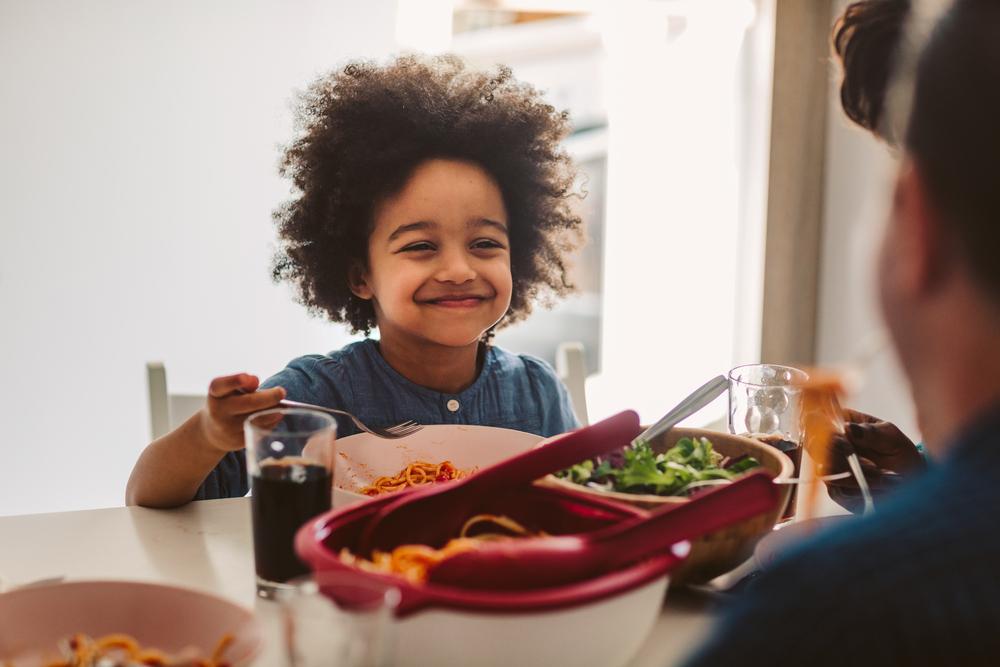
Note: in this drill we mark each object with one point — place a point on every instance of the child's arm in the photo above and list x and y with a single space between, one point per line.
170 469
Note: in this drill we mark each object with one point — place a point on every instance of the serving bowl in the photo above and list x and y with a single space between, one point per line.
363 457
600 621
35 618
719 551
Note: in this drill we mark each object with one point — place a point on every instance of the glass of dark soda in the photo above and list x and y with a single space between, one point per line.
764 404
290 454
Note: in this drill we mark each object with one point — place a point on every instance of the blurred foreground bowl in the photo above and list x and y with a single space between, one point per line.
34 619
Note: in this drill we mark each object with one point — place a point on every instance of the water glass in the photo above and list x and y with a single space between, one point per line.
764 403
339 618
290 455
764 399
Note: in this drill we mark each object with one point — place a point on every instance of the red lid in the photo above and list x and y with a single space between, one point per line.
555 511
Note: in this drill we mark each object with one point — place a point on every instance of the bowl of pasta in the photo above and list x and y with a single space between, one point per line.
91 623
367 466
608 616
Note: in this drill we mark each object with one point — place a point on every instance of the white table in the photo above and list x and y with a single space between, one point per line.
208 545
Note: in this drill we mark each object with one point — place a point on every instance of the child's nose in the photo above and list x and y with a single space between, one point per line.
455 268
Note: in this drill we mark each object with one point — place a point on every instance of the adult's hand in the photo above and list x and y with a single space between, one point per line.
887 458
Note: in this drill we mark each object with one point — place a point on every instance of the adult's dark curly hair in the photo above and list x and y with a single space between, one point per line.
865 39
953 133
366 127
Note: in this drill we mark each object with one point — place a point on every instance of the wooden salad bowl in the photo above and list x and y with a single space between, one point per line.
722 550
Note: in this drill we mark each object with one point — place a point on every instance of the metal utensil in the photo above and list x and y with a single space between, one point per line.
398 431
859 476
543 562
698 399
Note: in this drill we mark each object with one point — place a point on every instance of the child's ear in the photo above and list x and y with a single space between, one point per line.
357 280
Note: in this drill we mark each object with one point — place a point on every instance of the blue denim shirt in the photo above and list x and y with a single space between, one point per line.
512 391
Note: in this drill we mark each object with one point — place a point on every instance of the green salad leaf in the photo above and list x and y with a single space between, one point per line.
638 469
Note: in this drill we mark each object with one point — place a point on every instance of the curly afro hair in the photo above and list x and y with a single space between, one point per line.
365 128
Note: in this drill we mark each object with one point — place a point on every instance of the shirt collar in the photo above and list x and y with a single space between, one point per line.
489 361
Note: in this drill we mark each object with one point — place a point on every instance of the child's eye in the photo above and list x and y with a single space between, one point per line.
417 247
487 244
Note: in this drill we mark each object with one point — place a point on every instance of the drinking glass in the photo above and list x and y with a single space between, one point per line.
339 618
290 454
764 404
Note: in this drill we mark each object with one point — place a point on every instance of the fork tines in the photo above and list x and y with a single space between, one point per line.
406 428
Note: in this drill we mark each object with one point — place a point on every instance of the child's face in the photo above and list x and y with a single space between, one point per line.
438 257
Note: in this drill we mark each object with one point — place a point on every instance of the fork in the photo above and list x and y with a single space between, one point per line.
398 431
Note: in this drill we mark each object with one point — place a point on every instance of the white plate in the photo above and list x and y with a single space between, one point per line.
779 541
363 457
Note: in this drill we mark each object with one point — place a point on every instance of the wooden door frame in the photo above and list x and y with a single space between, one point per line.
796 181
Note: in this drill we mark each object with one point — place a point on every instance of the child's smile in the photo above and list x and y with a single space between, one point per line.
438 257
458 300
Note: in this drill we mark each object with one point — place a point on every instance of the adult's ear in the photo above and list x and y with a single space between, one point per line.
924 249
357 280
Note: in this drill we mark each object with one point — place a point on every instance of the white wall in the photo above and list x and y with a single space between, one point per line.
859 173
138 153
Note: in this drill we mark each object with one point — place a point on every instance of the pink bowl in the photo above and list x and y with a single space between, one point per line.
167 618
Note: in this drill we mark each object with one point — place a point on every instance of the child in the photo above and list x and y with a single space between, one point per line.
432 204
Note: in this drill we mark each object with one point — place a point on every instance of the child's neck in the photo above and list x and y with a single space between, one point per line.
448 370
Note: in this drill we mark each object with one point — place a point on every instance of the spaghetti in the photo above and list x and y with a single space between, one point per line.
416 473
81 650
821 417
412 561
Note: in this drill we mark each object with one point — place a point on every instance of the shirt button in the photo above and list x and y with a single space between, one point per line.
453 405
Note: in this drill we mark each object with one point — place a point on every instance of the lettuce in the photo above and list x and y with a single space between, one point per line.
638 469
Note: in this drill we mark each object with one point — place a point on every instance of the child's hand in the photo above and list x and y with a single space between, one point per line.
230 399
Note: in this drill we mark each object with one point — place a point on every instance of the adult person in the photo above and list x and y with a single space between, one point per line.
915 583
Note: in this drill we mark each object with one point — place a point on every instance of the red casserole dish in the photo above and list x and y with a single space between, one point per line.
318 543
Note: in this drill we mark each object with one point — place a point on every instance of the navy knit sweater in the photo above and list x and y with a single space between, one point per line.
917 583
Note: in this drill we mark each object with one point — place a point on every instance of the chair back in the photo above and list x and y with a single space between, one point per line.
167 411
571 367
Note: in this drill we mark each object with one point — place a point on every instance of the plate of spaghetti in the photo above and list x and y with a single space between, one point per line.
367 466
416 473
112 623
